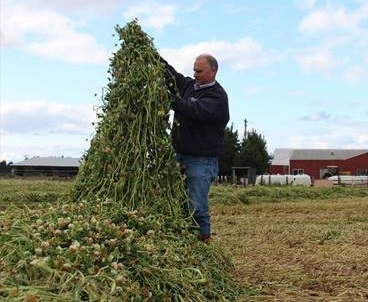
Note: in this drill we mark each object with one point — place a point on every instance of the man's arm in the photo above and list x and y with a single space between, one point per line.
175 80
205 109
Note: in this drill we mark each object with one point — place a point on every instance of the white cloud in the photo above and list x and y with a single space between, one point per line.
362 41
316 116
305 4
40 117
16 147
318 60
235 8
41 128
244 54
72 47
96 7
195 6
323 20
339 29
333 19
362 139
49 34
152 14
330 135
252 90
356 73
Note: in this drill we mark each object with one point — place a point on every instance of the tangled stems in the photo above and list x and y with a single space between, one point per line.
130 158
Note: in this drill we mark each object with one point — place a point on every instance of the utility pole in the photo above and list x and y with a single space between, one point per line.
245 129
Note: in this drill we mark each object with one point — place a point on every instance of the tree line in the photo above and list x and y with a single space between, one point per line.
250 151
5 168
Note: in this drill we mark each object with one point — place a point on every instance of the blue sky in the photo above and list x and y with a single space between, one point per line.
297 70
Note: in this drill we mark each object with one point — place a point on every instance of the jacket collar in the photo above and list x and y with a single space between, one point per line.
198 87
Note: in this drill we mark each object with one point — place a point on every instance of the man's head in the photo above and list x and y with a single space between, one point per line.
205 69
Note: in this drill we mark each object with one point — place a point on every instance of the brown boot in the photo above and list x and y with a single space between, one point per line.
205 238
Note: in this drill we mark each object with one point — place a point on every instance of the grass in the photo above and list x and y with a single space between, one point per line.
286 243
20 191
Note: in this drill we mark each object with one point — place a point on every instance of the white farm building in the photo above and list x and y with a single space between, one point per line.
47 166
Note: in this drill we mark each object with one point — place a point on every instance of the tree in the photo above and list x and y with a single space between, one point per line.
231 153
250 152
4 167
253 152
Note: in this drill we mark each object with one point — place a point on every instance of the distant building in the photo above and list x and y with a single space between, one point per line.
320 163
47 166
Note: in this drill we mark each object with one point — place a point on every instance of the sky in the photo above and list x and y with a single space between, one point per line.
296 70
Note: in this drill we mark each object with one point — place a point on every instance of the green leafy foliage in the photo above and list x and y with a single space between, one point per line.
75 252
231 153
130 158
253 152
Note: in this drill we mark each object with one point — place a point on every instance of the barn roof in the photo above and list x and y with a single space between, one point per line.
326 154
50 162
283 156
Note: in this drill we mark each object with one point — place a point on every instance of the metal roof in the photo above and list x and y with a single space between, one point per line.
326 154
50 162
282 157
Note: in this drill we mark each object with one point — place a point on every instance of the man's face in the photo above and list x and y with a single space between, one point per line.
203 73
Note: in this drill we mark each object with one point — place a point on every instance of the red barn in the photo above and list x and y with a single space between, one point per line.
320 163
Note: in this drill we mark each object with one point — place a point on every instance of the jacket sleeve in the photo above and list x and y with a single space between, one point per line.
175 80
209 108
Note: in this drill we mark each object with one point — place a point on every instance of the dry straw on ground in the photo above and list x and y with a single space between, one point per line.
304 251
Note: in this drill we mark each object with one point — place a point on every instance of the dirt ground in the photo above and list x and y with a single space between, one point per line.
322 183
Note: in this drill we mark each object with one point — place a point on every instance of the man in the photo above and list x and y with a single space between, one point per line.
201 114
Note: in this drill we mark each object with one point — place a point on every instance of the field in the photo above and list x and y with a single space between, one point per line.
286 244
304 250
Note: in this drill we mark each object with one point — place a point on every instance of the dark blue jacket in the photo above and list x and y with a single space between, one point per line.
200 117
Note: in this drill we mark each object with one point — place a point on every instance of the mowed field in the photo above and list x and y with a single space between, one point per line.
286 243
298 251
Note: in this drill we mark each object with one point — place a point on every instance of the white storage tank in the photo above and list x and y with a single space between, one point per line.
349 180
288 179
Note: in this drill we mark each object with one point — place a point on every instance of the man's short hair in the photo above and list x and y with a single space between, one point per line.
210 59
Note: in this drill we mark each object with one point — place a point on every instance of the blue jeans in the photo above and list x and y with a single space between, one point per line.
200 172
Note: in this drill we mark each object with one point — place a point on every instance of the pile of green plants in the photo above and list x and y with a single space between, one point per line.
130 159
79 252
122 235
